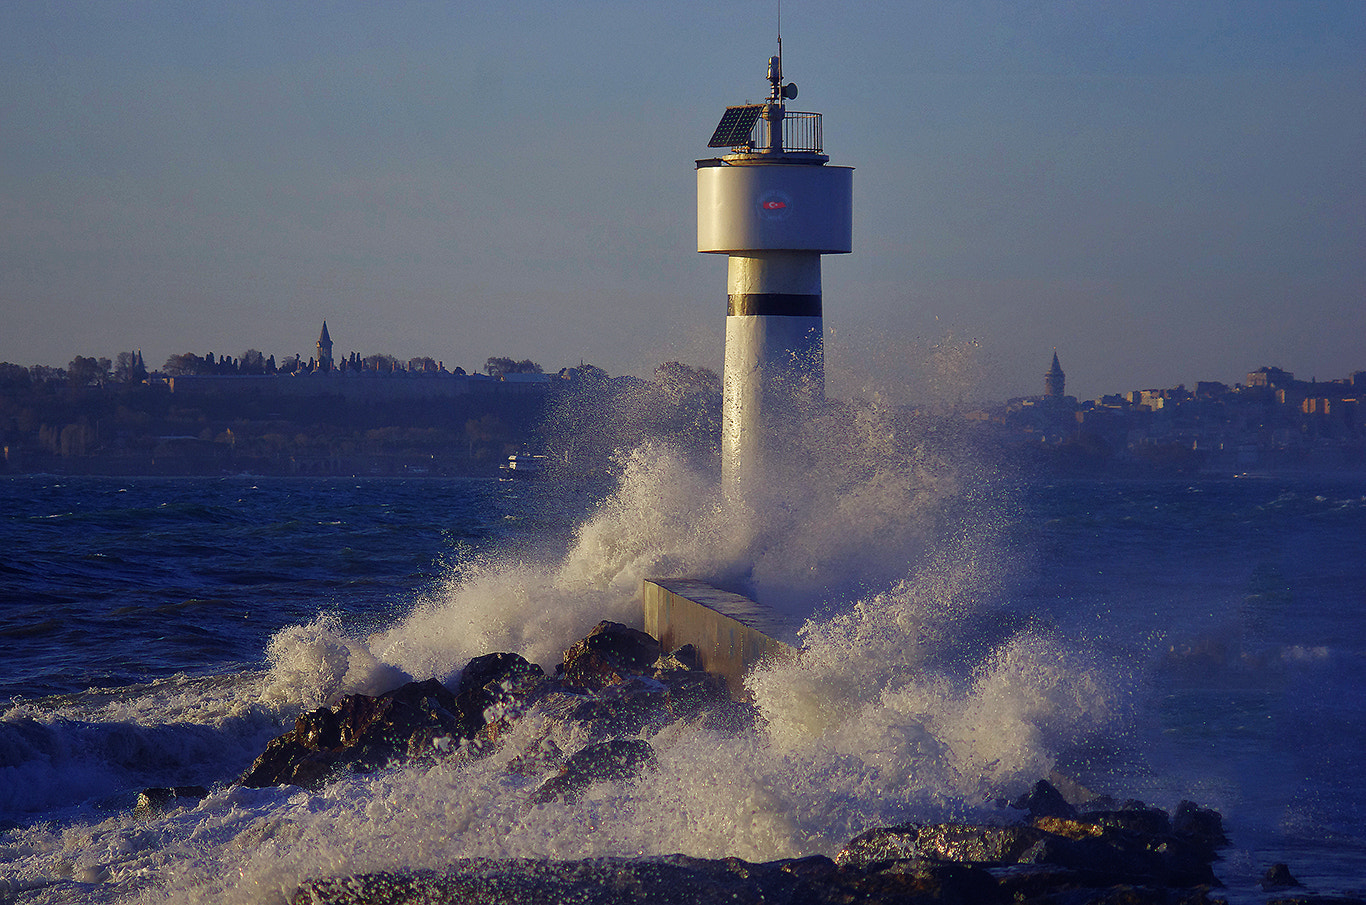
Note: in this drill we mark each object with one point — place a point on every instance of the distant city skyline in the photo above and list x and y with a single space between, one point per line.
1163 192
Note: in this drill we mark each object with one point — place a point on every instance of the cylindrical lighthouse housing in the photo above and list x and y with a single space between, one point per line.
774 210
752 204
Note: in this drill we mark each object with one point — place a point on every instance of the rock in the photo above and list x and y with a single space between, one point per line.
912 882
609 654
874 846
613 682
689 693
378 731
977 844
731 717
664 880
1201 826
621 709
361 733
494 680
1044 800
685 657
430 695
160 800
1278 877
1030 882
1093 853
1068 829
318 729
619 759
941 842
277 764
1132 815
541 757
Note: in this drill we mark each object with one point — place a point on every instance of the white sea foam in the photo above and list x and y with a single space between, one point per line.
914 700
312 665
75 755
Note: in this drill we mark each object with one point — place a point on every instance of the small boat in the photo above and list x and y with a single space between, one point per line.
521 466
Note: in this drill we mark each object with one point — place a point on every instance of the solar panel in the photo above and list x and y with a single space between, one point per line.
735 126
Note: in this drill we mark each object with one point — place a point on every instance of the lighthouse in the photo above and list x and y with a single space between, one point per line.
773 205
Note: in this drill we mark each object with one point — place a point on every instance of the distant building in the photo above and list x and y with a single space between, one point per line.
1055 381
324 350
1153 400
1210 389
1269 377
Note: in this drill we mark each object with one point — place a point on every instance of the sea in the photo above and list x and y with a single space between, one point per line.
967 632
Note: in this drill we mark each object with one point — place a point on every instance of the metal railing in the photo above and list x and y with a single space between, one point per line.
801 132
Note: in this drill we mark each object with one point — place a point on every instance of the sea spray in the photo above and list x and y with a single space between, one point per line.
313 665
880 491
1263 725
915 698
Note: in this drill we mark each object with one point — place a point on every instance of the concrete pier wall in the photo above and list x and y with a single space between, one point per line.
732 634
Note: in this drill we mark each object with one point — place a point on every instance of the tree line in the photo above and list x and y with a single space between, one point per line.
130 368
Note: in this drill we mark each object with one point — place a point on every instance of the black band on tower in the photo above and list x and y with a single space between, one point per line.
774 304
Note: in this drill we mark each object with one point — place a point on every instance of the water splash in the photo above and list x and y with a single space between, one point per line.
916 697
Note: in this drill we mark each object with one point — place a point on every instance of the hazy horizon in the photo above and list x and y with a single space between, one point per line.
1164 193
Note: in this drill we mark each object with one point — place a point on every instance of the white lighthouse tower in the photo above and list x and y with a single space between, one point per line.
774 205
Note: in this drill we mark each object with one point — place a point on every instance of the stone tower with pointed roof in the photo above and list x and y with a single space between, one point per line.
324 350
1055 380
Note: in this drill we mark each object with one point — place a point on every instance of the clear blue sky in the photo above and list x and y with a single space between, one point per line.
1165 192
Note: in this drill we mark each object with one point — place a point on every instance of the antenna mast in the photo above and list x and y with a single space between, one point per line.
780 29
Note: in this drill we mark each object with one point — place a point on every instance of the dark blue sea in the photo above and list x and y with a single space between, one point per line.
1199 639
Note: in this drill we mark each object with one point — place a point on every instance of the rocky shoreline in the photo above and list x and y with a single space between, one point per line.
617 683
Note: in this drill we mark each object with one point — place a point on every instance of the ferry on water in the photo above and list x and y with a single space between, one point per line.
521 466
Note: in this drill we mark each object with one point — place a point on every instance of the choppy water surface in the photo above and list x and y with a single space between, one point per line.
1170 640
106 582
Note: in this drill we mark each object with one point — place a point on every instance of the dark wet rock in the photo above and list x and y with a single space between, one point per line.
160 800
612 683
941 842
666 880
611 653
1044 800
1026 882
1133 815
277 764
377 731
318 729
1278 876
429 695
918 881
493 682
892 843
537 760
637 702
1129 847
359 734
614 686
731 717
1200 826
614 761
685 657
623 708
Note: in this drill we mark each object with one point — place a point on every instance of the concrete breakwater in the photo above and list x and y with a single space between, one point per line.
731 634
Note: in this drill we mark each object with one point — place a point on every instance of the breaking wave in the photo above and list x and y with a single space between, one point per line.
917 695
